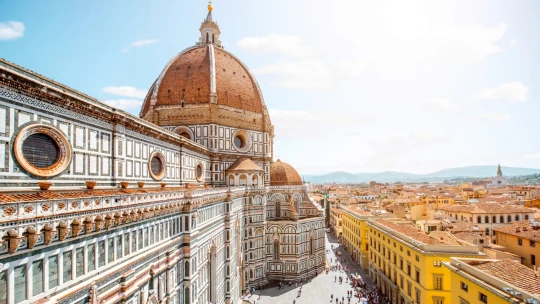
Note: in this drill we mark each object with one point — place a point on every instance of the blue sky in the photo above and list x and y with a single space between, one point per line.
359 86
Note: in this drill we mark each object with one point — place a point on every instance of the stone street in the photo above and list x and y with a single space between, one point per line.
319 289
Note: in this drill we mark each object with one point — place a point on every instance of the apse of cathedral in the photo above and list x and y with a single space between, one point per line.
183 204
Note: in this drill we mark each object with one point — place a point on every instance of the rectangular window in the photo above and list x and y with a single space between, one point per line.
37 277
20 283
437 283
409 288
67 275
464 287
91 257
110 250
101 254
118 247
126 244
140 240
417 258
133 242
408 269
146 237
418 276
482 297
53 271
437 263
3 287
533 259
79 262
418 296
532 243
520 242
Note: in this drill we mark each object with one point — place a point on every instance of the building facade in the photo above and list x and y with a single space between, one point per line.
492 281
406 263
182 205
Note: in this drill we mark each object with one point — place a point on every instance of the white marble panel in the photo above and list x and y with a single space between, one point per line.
105 142
93 138
92 161
3 120
79 137
2 156
23 118
79 163
105 166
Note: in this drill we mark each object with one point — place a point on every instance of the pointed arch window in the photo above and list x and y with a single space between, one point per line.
276 250
207 38
213 38
278 209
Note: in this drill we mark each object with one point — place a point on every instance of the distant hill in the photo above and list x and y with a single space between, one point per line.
392 176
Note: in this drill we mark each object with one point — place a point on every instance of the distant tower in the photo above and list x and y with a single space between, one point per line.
499 171
209 30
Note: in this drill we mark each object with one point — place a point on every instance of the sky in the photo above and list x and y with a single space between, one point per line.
357 86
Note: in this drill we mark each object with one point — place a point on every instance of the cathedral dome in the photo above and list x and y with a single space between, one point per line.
283 174
204 84
200 74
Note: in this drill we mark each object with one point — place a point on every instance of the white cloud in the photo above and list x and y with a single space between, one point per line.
303 124
124 104
513 92
139 43
11 30
496 116
125 91
304 74
532 156
468 43
441 104
285 45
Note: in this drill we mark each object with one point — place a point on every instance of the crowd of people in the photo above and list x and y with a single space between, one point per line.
358 292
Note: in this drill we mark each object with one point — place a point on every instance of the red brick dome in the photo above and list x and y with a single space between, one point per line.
283 174
198 74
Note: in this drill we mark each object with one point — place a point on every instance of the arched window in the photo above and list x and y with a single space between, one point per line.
501 219
231 180
479 220
207 40
526 216
311 246
213 39
487 219
517 217
276 250
243 180
186 269
494 219
509 218
278 209
255 180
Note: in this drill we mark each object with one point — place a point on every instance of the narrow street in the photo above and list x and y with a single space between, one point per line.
319 289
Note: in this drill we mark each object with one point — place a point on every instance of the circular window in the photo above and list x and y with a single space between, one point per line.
199 172
242 141
239 142
156 165
42 150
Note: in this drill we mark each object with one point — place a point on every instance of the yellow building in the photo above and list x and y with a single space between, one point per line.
406 263
355 232
492 281
521 238
336 221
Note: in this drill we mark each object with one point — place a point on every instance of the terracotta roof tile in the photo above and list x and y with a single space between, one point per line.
512 272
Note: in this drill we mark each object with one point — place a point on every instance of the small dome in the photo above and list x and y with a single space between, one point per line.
244 164
283 174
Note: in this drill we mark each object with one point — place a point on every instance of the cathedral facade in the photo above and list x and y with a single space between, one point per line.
183 204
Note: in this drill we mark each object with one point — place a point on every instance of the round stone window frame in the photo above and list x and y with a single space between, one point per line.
61 141
245 137
161 157
201 177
